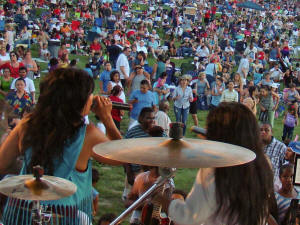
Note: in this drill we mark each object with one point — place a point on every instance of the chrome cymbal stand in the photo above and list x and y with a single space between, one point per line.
39 214
165 175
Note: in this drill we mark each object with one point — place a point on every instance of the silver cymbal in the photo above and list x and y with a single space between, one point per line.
26 187
184 153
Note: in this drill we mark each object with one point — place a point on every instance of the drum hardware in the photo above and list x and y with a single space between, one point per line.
37 188
165 175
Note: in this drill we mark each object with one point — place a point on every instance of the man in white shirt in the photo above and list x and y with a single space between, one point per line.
161 117
202 51
244 68
141 47
230 95
122 65
276 73
251 51
29 85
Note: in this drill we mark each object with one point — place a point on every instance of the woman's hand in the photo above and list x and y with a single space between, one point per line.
102 108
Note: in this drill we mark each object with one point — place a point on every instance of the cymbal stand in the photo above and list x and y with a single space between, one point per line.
39 214
165 175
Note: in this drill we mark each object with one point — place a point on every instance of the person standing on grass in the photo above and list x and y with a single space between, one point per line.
116 113
122 65
182 97
290 120
273 148
105 78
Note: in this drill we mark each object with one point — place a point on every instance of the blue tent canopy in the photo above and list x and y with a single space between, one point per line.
250 5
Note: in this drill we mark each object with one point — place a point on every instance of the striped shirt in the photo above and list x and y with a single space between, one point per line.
283 205
276 152
136 132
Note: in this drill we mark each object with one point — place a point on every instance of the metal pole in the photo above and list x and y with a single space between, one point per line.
160 181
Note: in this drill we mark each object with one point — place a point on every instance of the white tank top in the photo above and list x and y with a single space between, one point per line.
122 96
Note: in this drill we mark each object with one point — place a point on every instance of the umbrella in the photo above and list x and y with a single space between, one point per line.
250 5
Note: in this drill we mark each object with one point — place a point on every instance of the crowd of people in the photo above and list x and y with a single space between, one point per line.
240 64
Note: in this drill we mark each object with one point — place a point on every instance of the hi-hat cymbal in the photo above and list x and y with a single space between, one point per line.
26 187
184 153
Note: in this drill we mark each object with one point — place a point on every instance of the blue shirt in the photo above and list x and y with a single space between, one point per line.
105 78
19 103
257 78
144 100
210 69
89 71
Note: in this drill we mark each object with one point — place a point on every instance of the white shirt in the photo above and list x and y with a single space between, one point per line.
229 96
202 52
4 57
143 49
244 63
276 73
123 61
163 120
200 204
29 85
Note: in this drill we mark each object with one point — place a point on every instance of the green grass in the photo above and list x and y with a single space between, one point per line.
111 183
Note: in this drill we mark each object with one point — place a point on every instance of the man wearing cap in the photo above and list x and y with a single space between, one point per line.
153 47
141 47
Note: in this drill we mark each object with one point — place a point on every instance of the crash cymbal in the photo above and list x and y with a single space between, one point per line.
27 187
182 153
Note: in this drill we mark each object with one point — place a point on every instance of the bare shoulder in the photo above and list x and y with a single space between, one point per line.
94 136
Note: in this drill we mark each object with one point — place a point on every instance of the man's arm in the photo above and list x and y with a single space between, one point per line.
122 68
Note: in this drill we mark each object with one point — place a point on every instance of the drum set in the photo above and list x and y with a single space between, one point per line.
166 153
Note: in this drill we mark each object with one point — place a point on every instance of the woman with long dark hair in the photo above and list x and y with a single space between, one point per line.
237 195
56 137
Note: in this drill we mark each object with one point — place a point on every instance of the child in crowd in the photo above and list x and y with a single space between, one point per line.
286 193
290 120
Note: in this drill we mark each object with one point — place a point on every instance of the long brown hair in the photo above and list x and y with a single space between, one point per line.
57 116
242 192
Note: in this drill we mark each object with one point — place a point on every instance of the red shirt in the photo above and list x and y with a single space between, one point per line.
115 113
14 71
207 14
261 55
95 46
213 10
56 11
